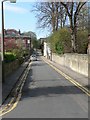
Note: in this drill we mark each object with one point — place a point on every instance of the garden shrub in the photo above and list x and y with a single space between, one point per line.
59 47
9 57
20 54
82 41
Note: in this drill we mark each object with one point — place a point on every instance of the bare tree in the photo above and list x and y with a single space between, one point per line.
82 20
50 14
73 9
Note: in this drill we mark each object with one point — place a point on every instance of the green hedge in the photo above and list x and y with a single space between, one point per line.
9 57
16 54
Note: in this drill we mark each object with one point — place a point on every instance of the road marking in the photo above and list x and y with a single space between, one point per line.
19 95
84 89
14 106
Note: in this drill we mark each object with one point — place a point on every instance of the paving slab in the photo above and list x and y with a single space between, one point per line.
11 79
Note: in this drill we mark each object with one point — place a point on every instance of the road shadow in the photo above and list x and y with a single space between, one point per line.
47 91
34 63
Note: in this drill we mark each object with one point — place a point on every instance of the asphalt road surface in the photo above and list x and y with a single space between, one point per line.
47 94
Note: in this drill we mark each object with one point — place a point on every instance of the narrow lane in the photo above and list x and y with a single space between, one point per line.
47 94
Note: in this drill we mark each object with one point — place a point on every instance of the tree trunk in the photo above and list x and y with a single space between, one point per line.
73 42
73 35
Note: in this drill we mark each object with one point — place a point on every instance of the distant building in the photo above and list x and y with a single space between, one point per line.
11 32
14 39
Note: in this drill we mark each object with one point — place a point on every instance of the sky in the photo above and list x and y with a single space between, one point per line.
19 15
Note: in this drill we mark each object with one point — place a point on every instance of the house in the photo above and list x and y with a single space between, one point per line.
14 39
10 39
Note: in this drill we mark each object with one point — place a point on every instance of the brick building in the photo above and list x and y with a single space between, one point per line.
14 39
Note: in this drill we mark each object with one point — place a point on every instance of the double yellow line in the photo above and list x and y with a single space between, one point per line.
84 89
81 87
12 105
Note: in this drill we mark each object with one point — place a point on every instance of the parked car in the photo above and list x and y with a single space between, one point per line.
33 57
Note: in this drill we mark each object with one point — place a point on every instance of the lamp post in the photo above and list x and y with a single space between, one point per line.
2 36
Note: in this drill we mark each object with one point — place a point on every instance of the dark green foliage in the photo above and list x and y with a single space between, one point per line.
20 54
16 54
35 43
9 57
25 53
60 41
82 41
59 47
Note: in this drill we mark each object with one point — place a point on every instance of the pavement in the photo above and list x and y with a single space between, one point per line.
11 79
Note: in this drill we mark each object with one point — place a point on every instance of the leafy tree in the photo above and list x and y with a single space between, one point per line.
82 41
60 41
59 47
35 43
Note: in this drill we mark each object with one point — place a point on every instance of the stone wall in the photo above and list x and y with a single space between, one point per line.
10 67
77 62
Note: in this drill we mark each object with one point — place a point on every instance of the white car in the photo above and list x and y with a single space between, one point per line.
33 57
